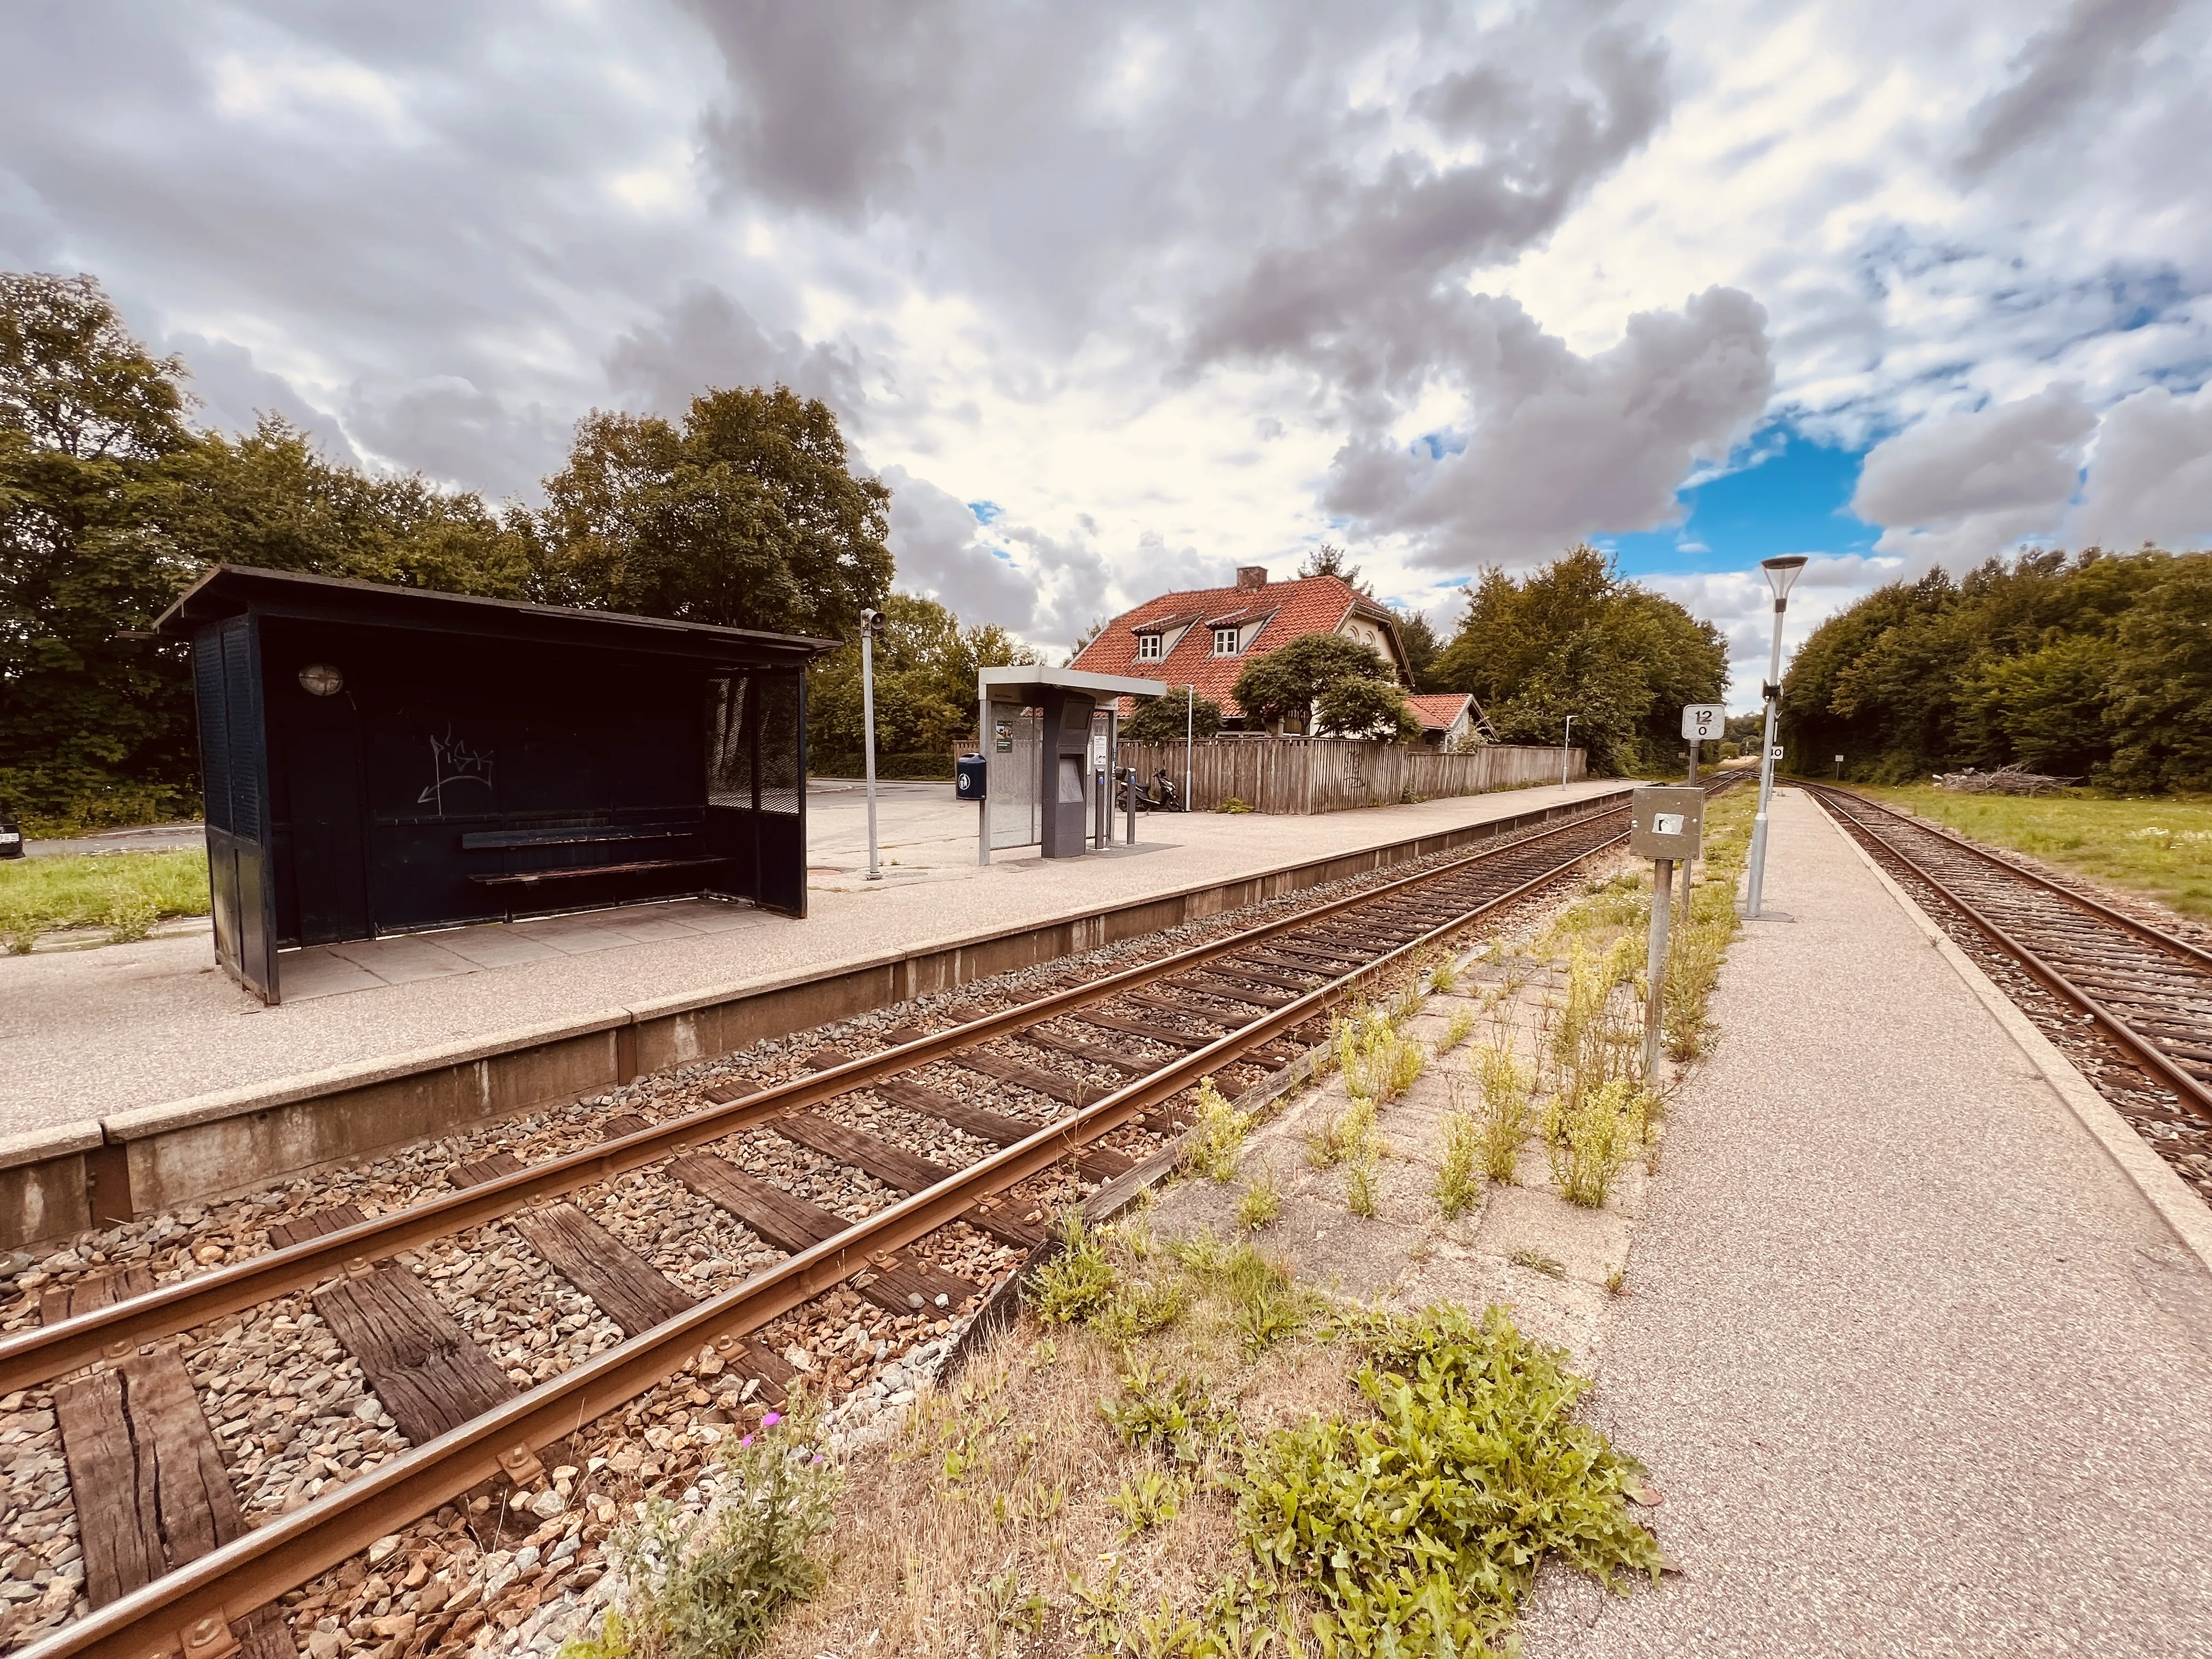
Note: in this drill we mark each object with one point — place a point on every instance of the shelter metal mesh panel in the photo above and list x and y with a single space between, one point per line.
729 745
782 770
753 737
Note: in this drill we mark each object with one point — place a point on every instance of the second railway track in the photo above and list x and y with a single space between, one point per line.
170 1559
2130 1000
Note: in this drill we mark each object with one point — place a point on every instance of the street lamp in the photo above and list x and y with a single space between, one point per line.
869 618
1781 575
1566 750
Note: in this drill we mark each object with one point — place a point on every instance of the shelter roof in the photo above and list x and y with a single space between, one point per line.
231 590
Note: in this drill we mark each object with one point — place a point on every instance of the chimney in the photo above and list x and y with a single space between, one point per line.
1251 575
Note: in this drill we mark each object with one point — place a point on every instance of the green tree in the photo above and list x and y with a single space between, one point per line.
1575 638
1422 646
1281 687
111 504
2160 717
1364 706
2080 666
925 668
1330 560
1162 719
273 499
94 726
747 515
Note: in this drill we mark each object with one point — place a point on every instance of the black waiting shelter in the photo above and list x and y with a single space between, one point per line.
379 760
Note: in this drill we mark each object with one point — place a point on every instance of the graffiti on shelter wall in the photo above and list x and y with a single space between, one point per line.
453 761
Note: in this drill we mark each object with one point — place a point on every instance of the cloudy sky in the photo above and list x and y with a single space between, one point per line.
1119 296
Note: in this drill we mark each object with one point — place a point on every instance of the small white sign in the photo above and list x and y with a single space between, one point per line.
1667 824
1704 722
1776 752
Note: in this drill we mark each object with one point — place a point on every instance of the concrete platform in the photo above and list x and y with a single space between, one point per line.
93 1034
1919 1342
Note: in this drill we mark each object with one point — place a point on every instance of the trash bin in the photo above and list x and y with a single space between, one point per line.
971 774
11 837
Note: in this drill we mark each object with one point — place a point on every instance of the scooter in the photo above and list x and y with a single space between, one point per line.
1161 798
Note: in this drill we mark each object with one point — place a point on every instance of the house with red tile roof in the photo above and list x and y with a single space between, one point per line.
1204 637
1446 716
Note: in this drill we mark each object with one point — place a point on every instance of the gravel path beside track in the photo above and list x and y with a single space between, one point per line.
1916 1367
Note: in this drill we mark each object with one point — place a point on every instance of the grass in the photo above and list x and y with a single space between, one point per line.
1260 1205
125 893
1269 1474
2160 845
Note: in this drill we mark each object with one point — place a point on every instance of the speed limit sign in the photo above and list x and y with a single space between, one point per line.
1703 721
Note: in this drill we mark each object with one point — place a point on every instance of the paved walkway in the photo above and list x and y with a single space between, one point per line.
1919 1369
90 1033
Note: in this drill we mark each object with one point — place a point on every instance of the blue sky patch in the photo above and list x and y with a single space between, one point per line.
1794 498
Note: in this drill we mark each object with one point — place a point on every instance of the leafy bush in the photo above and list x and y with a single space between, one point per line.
1457 1190
1215 1136
1175 1417
1378 1061
1359 1190
1419 1529
1506 1118
1170 718
1078 1283
1232 806
1596 1136
714 1588
1147 1501
1139 1309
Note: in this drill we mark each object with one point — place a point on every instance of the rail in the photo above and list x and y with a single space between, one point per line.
2157 1007
1243 998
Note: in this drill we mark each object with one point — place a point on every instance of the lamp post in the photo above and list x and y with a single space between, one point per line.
869 618
1781 574
1189 727
1566 750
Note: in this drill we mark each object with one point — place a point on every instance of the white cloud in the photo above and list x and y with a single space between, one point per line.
2151 478
1180 285
1958 488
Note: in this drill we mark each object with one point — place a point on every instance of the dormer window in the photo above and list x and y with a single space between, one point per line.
1148 647
1226 641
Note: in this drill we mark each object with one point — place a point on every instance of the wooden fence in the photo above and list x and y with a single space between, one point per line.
1331 775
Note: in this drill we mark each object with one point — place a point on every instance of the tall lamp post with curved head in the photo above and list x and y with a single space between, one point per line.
1781 575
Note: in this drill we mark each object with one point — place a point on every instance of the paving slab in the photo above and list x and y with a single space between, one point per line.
1918 1368
93 1033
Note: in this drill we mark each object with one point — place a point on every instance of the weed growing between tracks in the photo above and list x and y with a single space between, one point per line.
1259 1471
1582 1047
714 1588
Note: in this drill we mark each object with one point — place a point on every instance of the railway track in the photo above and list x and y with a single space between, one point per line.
171 1563
2104 984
